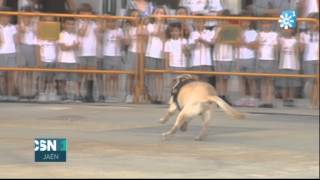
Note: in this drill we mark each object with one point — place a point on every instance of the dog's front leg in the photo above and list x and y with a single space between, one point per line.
180 120
172 109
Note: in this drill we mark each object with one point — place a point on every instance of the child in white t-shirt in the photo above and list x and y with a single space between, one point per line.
267 61
112 52
200 42
223 56
176 52
246 62
46 53
186 25
8 38
134 36
87 31
154 55
67 59
288 64
28 40
309 42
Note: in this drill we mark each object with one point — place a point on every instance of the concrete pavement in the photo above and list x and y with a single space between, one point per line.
124 141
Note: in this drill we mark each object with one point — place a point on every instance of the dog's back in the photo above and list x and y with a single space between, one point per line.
195 91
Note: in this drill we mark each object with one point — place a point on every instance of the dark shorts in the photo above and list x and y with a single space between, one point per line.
47 65
67 76
246 65
88 62
112 63
27 56
266 66
131 61
288 82
311 67
154 63
224 66
7 60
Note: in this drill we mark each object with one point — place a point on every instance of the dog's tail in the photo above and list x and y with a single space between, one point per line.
226 107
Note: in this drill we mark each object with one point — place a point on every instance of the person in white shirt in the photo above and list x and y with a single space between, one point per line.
134 36
46 53
309 42
27 45
154 55
112 51
87 31
266 61
8 39
246 62
288 64
208 7
186 24
68 44
223 58
200 42
176 51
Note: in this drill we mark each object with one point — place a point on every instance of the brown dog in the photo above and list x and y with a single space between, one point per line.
192 98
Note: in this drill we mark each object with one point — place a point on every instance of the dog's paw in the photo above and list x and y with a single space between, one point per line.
166 135
163 120
199 138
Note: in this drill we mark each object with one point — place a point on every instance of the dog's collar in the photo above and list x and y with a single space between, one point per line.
176 89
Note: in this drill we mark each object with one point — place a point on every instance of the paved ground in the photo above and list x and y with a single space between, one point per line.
122 141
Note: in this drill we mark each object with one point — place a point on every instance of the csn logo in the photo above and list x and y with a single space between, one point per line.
288 19
50 150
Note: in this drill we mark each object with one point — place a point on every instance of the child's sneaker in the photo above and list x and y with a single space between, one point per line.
52 97
252 102
129 99
42 97
241 102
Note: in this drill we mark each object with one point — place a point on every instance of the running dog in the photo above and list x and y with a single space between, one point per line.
192 98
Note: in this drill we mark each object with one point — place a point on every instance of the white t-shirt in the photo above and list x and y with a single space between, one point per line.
310 6
133 35
88 43
200 54
311 45
288 54
267 41
7 34
175 49
155 44
223 52
214 6
67 39
195 6
112 42
243 51
48 50
30 35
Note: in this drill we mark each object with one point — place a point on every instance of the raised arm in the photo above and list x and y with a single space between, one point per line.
72 4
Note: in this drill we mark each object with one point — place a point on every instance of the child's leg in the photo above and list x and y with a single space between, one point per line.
270 91
159 87
252 87
315 94
105 85
291 93
10 83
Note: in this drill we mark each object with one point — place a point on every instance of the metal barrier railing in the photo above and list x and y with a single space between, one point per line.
140 72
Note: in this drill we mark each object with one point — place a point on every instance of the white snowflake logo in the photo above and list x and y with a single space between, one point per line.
288 19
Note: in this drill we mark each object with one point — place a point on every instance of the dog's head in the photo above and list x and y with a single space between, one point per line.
182 78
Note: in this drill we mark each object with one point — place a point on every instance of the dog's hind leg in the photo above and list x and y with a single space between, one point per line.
172 109
184 126
205 124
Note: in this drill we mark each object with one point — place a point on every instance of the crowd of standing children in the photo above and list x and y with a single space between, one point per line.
176 44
